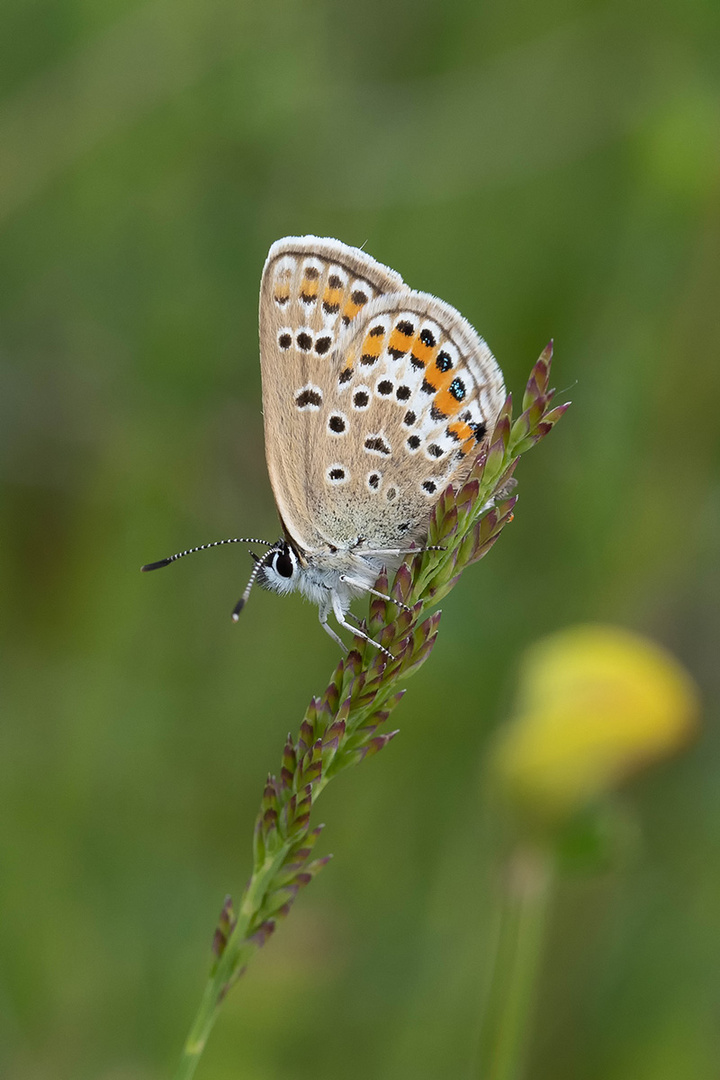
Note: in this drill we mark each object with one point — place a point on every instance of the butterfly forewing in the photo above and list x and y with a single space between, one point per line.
313 290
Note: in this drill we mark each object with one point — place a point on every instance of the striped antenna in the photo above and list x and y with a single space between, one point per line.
259 563
204 547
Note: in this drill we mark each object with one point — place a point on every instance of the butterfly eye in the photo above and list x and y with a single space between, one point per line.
283 564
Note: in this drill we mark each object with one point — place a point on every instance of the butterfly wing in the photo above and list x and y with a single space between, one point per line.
375 397
312 291
414 392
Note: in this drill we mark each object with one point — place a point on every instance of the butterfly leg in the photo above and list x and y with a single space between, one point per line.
329 630
383 596
340 616
398 551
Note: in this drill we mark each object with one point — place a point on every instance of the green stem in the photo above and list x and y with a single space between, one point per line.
523 920
235 956
199 1032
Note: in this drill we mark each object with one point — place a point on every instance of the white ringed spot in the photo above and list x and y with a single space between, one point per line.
336 474
361 398
377 443
308 398
337 424
304 339
433 451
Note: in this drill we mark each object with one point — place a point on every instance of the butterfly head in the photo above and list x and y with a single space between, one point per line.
279 569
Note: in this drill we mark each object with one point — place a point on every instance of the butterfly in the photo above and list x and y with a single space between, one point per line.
375 398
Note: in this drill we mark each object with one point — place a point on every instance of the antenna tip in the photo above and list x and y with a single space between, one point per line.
237 609
155 565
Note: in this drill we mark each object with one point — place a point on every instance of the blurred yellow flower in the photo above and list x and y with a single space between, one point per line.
595 703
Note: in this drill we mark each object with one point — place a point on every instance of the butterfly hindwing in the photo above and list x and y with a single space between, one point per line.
416 392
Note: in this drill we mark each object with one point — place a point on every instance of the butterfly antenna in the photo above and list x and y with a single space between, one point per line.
204 547
259 563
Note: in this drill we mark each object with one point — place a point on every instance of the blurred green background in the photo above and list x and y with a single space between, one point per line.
550 169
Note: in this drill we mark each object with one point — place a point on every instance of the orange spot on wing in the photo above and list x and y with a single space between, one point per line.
350 310
346 373
332 298
426 353
439 380
462 430
399 342
309 289
444 400
433 378
372 345
469 445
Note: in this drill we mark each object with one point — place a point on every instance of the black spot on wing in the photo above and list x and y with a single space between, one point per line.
376 444
457 389
308 397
